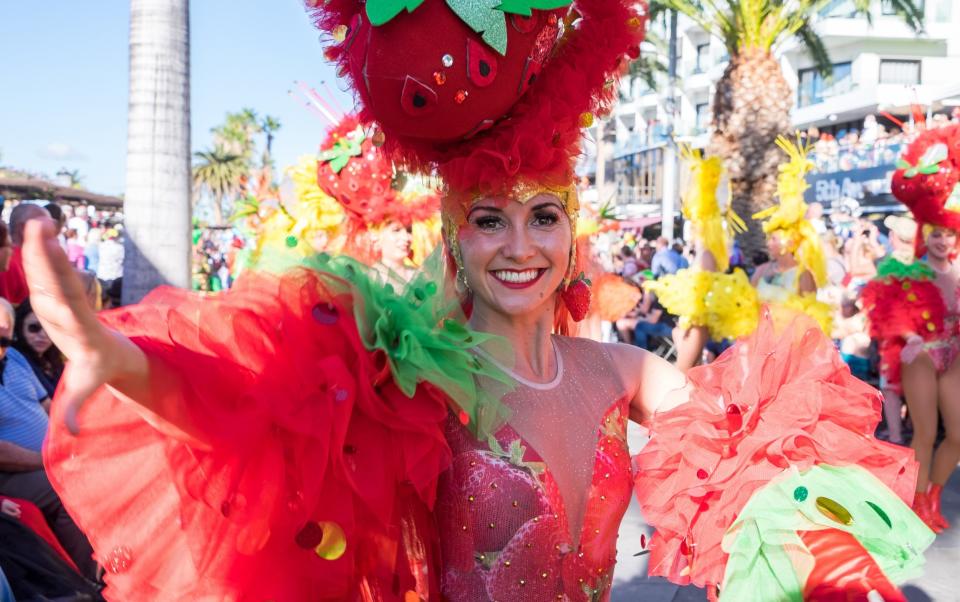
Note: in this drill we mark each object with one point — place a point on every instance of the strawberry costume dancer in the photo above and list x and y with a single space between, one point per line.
914 312
315 434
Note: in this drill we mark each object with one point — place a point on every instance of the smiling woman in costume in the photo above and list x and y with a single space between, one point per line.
316 435
914 312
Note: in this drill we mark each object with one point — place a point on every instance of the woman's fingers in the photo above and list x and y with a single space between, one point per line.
56 293
81 380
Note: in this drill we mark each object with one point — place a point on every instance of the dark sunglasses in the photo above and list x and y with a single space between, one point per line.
34 328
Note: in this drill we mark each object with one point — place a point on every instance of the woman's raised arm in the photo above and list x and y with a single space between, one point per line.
97 355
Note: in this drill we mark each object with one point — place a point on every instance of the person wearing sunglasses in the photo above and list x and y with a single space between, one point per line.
31 340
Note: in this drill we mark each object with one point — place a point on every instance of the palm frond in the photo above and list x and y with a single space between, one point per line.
910 11
815 47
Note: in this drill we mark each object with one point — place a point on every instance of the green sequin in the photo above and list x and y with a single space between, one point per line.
800 493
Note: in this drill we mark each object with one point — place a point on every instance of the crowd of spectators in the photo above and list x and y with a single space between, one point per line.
871 145
44 554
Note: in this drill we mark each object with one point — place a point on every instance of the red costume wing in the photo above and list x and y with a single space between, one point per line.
300 473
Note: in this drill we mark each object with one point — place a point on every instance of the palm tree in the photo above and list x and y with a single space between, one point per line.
269 126
237 132
220 173
157 199
752 103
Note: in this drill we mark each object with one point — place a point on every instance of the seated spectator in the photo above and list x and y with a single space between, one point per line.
31 340
13 282
35 569
630 264
23 426
656 322
666 260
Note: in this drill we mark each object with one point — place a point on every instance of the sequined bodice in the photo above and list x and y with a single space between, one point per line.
533 513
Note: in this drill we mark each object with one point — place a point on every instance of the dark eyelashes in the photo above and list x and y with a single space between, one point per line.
540 218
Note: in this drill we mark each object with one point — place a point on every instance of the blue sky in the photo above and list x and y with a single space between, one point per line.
64 94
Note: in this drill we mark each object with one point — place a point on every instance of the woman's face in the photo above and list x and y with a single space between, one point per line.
394 240
35 335
775 245
515 255
941 242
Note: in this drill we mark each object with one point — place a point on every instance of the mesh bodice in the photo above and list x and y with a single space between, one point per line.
534 514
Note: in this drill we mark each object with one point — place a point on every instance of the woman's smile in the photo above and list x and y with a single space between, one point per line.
518 278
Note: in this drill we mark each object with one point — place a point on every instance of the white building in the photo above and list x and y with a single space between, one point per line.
880 68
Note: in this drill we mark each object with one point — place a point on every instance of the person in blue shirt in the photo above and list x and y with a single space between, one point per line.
666 260
24 404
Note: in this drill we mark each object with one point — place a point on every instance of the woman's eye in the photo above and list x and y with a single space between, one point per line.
487 223
548 218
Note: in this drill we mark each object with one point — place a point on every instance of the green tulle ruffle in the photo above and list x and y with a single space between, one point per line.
765 547
421 330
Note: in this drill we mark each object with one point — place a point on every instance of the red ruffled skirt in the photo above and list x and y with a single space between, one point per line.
301 472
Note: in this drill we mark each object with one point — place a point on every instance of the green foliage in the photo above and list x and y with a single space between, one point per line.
382 11
525 7
343 149
483 16
219 173
765 24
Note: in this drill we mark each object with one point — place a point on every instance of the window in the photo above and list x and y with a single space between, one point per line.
895 71
703 117
703 58
814 88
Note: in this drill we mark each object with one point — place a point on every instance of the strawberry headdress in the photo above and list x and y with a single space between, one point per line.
491 95
358 175
926 180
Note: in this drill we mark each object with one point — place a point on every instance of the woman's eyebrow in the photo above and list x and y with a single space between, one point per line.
484 208
546 205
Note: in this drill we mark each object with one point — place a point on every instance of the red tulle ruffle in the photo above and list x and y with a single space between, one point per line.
287 425
775 400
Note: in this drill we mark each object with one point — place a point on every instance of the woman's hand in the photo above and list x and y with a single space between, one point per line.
96 354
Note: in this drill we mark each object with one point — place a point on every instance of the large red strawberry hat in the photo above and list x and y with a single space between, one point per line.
491 94
926 180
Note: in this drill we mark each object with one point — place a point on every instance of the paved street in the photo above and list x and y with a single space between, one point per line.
940 582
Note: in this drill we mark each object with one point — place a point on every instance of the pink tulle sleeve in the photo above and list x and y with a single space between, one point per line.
277 431
777 399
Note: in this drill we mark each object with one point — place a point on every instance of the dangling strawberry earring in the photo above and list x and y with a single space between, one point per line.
576 296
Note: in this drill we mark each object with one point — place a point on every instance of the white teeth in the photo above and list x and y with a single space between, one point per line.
518 277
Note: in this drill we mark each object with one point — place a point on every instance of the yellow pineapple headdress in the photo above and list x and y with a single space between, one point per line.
789 217
701 206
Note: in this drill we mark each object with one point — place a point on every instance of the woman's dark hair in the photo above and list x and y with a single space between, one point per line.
48 366
4 235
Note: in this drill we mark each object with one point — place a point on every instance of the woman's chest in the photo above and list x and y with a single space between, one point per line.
544 506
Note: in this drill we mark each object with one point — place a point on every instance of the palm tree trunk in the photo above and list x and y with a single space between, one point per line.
218 210
158 187
751 108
